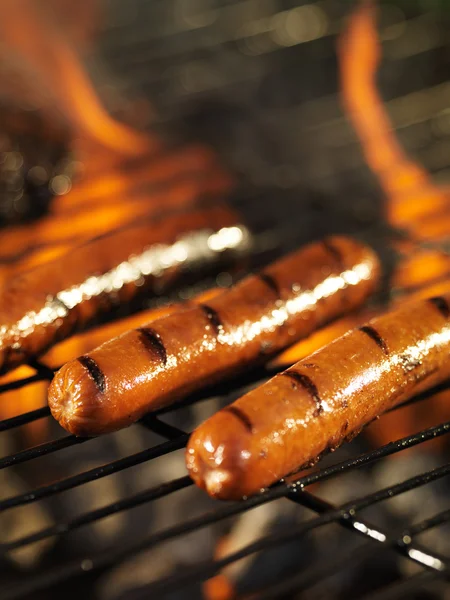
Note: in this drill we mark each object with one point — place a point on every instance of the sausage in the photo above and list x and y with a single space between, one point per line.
88 340
154 365
46 304
322 400
79 226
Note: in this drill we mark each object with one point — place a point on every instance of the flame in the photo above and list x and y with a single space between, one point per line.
414 202
150 173
31 30
409 191
421 269
115 192
118 194
26 246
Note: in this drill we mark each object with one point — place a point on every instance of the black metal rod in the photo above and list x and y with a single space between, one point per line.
20 383
25 418
163 429
100 513
374 455
415 552
316 573
312 575
41 450
93 474
344 515
210 568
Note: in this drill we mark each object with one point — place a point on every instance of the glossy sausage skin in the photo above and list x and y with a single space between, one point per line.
154 365
322 400
46 304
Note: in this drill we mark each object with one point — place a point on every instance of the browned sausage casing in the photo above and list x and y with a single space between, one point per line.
46 304
322 400
149 367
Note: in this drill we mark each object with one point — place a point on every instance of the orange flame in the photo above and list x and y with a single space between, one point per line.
409 191
31 30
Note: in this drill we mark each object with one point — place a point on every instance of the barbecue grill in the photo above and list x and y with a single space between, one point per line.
349 515
340 529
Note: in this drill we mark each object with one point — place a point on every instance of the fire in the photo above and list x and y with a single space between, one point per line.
409 191
414 202
45 46
134 175
127 175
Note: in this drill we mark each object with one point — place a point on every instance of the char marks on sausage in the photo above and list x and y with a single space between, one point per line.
442 305
334 251
94 371
152 342
270 282
299 379
213 318
239 414
376 337
251 321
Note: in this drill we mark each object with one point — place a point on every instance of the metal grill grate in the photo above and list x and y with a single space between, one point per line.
405 542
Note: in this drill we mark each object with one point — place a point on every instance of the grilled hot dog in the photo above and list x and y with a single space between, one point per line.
322 400
46 304
152 366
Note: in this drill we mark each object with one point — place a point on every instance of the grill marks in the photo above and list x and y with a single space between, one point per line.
441 304
213 317
376 337
153 343
239 414
270 282
94 371
299 379
335 253
339 260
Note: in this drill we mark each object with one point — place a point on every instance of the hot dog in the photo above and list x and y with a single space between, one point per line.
44 305
322 400
152 366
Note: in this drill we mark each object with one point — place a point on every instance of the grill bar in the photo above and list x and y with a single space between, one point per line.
291 491
208 569
41 450
23 419
177 439
93 474
20 383
418 554
313 575
101 513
